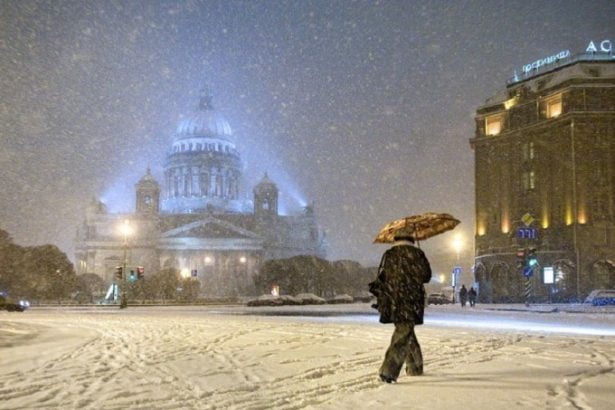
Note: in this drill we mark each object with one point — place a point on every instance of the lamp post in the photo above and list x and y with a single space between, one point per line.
126 230
457 245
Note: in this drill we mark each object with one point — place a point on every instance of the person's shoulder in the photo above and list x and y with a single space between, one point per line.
407 249
414 249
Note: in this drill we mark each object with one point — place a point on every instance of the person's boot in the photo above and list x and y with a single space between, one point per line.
387 379
413 370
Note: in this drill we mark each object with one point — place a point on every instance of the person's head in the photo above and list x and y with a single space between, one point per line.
403 237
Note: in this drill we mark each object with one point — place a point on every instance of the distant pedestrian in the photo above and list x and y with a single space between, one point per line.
472 297
463 295
400 297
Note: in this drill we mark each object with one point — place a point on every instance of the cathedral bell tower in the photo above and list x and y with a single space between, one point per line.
266 199
148 195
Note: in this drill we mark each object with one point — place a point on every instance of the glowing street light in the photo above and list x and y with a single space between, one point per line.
457 246
126 230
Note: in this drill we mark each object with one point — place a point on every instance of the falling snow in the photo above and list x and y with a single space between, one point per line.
363 107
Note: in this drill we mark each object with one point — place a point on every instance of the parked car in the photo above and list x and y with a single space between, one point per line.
437 299
601 297
12 306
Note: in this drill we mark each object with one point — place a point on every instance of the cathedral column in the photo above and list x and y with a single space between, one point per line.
212 185
195 181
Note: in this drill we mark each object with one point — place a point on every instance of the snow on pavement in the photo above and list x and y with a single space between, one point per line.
195 358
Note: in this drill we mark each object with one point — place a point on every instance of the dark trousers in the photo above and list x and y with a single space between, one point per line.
404 348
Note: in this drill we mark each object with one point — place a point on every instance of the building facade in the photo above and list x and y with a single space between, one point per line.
545 183
196 221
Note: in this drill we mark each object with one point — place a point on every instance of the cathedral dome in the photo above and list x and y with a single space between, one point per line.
206 122
202 123
265 185
203 167
147 180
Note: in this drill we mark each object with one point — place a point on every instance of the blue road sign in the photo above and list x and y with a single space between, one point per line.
527 233
457 270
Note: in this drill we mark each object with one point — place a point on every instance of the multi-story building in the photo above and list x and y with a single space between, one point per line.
197 223
545 181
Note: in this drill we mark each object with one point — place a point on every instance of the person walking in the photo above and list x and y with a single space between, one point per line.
463 295
472 296
400 295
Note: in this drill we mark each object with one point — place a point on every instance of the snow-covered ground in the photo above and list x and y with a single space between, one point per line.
323 357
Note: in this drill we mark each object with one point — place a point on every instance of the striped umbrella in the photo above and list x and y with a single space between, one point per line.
419 227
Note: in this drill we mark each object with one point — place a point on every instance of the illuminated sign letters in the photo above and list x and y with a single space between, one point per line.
547 60
605 46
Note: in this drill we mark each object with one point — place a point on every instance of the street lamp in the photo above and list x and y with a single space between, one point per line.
126 230
457 246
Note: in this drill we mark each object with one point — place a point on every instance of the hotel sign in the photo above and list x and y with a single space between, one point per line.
594 47
605 46
546 60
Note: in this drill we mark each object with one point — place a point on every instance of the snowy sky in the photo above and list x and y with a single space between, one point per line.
364 107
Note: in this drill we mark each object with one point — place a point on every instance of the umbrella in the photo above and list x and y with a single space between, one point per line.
419 227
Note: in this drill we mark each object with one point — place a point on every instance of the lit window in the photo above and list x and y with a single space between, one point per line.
508 104
493 125
554 107
528 151
532 180
529 180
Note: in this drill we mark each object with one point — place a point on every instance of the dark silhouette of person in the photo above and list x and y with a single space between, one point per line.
401 300
463 295
472 297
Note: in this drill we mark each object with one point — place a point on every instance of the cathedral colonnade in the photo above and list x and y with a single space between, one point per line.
220 272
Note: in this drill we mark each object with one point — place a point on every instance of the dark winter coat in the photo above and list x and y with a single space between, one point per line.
399 286
463 294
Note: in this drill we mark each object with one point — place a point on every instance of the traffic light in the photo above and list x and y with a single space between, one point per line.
194 273
521 257
133 276
119 272
140 272
532 259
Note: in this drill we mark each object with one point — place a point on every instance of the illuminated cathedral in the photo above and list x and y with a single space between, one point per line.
196 222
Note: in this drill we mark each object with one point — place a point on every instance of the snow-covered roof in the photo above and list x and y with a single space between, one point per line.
604 69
